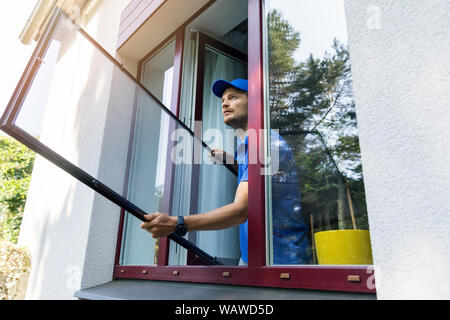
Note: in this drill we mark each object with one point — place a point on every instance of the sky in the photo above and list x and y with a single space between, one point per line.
318 22
14 55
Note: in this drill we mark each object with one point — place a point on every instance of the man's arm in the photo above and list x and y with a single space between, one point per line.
161 225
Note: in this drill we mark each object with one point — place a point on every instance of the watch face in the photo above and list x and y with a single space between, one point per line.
180 230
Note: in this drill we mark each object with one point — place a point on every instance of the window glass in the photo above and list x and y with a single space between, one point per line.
316 209
218 187
148 157
157 74
210 187
32 112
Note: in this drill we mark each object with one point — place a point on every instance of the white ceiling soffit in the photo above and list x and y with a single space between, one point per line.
223 16
171 15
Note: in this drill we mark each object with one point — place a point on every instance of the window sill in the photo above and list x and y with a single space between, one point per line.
327 278
131 289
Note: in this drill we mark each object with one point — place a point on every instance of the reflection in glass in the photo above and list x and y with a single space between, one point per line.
319 185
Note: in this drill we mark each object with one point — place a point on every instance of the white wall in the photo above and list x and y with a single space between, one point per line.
400 53
70 230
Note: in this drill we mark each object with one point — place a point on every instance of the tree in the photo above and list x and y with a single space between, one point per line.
283 41
16 165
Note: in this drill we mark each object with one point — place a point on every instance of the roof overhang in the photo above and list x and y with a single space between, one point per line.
138 37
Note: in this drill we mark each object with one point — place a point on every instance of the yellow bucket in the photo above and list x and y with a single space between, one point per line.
343 247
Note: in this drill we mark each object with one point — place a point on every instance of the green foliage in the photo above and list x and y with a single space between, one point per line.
282 43
16 165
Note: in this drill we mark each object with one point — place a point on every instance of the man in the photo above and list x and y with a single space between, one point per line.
290 242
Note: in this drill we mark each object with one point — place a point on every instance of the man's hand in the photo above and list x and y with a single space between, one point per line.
159 224
219 156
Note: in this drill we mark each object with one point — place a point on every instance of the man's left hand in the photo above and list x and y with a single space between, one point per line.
159 224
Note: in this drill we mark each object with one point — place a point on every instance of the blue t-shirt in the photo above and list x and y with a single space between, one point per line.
290 241
242 160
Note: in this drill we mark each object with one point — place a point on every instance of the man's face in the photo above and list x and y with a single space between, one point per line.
235 108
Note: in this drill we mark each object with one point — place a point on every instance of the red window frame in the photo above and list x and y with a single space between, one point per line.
257 273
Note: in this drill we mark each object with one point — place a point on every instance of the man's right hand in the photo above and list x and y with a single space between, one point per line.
222 157
218 155
159 224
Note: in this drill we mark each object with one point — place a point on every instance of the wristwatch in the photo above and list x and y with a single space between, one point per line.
181 229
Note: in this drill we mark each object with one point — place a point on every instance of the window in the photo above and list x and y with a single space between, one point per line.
316 210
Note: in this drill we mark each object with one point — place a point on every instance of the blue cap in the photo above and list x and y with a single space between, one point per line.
221 85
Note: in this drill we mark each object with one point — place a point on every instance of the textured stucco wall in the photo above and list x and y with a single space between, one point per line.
400 53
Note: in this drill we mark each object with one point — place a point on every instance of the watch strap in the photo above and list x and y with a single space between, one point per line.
181 228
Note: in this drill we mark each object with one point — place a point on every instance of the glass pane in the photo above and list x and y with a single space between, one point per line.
33 110
157 73
146 179
224 243
316 201
148 157
213 188
100 120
